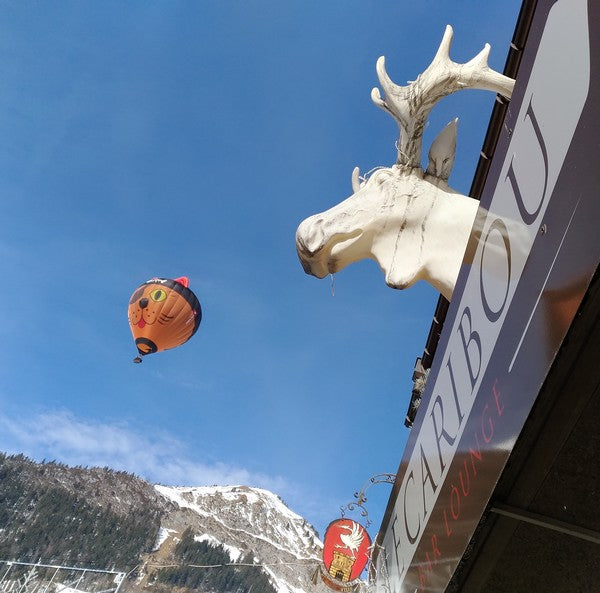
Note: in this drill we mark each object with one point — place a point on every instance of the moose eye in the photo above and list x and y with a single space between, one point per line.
158 295
383 176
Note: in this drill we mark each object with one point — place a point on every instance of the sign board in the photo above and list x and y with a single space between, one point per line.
346 551
525 274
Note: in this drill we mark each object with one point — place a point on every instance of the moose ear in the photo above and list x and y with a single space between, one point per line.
356 179
443 151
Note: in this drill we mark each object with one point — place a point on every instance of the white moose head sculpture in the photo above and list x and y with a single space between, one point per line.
408 220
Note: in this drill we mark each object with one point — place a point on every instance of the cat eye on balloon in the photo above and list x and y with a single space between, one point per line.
158 295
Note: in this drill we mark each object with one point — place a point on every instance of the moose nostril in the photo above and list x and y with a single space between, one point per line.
143 303
309 235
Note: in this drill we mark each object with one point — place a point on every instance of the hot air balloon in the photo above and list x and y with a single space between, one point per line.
163 314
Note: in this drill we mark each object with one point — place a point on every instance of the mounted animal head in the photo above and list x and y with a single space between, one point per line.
407 219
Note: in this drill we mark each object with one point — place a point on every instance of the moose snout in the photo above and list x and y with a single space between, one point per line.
319 248
309 236
309 244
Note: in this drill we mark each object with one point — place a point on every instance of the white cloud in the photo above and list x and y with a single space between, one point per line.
159 458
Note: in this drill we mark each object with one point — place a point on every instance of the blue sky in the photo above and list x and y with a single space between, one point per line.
142 139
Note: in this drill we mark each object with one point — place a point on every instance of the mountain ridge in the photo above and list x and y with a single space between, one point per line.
98 517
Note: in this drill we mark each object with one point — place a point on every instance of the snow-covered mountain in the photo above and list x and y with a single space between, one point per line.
100 518
244 521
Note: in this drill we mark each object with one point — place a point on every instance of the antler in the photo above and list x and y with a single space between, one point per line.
410 105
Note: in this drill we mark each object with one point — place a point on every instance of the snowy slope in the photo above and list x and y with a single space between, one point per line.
247 520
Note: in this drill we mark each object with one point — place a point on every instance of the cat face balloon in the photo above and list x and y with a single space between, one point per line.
163 314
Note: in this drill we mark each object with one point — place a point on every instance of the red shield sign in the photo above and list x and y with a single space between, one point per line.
345 553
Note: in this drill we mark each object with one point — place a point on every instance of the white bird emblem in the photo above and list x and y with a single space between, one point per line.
353 539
